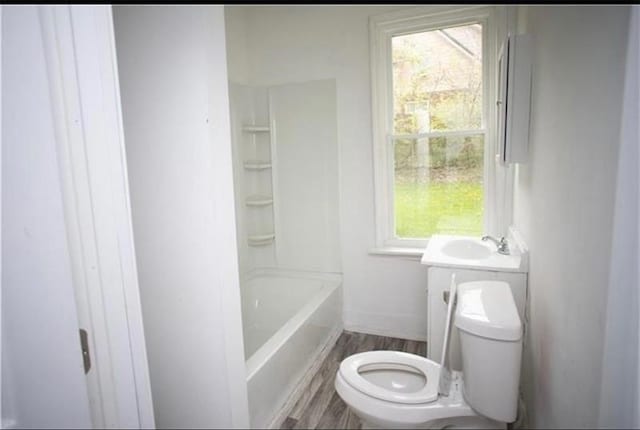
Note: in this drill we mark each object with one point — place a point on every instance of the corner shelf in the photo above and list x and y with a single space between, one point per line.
253 135
257 165
255 128
261 239
259 200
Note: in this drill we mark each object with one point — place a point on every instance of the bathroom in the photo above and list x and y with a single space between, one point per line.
191 243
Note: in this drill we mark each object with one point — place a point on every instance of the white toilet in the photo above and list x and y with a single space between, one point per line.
391 389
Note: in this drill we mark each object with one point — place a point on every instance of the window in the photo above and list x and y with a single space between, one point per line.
431 93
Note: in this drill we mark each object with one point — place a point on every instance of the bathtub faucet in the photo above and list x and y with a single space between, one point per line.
503 246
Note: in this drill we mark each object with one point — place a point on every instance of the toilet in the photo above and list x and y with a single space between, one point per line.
392 389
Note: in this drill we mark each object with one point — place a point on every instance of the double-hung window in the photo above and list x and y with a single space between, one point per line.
431 109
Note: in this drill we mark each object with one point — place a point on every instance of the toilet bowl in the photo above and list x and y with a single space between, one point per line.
392 389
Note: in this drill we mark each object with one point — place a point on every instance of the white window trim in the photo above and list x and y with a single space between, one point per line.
381 29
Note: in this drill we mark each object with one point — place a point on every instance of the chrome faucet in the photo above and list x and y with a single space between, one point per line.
503 246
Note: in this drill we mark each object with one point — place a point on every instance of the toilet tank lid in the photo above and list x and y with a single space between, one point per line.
487 309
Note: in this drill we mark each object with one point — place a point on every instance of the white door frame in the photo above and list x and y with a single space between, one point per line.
81 65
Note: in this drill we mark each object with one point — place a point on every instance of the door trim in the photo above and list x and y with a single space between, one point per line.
81 64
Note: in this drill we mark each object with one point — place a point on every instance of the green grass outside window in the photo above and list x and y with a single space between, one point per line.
422 210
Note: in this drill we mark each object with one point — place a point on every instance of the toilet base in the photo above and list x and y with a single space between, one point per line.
446 423
447 412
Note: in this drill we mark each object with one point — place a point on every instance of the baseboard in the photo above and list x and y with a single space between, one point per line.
9 423
300 387
400 334
411 327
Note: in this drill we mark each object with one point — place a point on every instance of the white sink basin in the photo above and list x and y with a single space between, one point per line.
472 253
466 249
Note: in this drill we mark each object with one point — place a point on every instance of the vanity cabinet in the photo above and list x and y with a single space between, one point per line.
439 281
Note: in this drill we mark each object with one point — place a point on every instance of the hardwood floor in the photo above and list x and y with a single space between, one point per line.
320 406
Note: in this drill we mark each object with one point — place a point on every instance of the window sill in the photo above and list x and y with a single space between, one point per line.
396 251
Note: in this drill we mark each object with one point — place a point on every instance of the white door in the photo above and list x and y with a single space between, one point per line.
67 245
43 381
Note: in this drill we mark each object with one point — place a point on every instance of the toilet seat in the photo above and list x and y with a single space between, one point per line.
351 368
389 414
376 387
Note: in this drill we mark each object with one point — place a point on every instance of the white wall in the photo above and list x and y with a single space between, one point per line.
43 379
236 37
564 199
286 44
176 122
619 394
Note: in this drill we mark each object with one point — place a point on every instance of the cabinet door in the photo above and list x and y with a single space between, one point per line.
438 282
43 381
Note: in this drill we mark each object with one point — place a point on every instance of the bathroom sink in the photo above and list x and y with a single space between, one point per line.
472 253
466 249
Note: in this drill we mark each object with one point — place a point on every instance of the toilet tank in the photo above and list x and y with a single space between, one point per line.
491 344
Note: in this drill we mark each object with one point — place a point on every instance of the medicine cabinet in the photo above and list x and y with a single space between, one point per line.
514 98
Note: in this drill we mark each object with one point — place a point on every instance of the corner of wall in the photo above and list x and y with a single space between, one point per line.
235 20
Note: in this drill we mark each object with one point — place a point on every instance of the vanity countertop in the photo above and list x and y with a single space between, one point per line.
472 253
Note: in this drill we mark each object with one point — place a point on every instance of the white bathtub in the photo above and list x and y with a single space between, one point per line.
289 319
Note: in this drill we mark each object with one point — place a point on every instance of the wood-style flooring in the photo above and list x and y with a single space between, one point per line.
319 405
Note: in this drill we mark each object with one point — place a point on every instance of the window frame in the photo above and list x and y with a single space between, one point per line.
381 29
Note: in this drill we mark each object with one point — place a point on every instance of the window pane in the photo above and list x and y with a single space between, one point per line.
438 186
437 80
